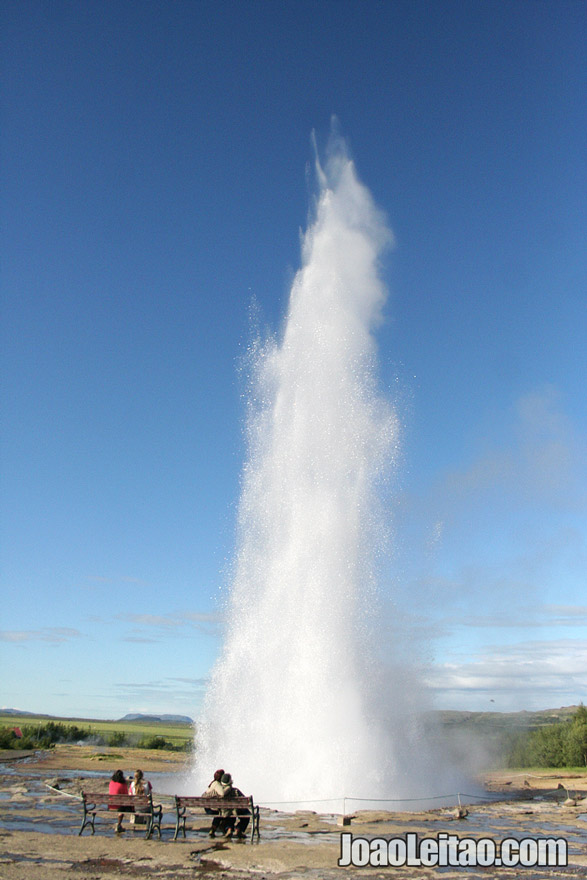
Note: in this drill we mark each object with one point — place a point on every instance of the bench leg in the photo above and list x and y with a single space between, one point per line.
89 819
154 823
180 824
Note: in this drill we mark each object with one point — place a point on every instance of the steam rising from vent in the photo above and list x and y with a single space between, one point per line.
300 707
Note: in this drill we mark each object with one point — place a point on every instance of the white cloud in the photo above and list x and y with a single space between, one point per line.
538 457
185 693
529 616
140 640
156 620
535 463
199 617
181 623
547 442
529 674
572 615
53 634
101 584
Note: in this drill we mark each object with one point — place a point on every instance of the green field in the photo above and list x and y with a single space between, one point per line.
548 738
178 734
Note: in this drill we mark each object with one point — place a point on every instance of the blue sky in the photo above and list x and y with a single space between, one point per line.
157 170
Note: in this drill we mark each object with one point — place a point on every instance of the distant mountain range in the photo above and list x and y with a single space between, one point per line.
488 722
132 716
18 712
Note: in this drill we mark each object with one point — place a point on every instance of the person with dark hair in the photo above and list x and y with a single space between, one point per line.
218 774
215 789
117 785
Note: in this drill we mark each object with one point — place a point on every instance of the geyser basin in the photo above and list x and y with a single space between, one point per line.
299 708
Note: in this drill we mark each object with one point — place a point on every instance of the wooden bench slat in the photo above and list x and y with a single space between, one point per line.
141 804
116 799
215 804
212 801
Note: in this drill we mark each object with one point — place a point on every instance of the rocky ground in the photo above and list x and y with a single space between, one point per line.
40 815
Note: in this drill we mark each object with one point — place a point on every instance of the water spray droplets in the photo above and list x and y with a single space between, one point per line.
297 707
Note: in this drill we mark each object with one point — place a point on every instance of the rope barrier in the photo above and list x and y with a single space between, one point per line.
438 797
64 793
307 801
488 796
78 797
535 776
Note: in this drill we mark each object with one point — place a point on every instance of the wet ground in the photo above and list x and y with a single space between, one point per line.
40 816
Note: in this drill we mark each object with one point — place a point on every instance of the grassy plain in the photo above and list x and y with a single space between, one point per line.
177 733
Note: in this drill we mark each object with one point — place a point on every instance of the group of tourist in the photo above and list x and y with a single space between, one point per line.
138 785
224 821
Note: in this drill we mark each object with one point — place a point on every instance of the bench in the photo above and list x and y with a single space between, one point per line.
218 804
139 805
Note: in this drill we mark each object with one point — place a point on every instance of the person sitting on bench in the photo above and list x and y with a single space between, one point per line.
117 785
243 814
215 789
139 786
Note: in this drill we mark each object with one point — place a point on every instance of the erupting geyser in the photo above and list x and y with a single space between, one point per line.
299 708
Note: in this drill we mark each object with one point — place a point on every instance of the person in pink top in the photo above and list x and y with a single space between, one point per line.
117 785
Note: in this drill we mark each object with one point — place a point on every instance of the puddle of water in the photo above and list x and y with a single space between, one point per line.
72 825
25 823
44 773
61 807
8 760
